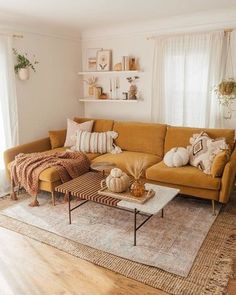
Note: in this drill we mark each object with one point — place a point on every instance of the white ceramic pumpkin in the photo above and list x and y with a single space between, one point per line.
116 172
117 181
176 157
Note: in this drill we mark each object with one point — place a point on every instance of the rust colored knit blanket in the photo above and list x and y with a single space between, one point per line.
26 168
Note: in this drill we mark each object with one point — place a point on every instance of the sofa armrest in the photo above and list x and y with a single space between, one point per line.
40 145
228 178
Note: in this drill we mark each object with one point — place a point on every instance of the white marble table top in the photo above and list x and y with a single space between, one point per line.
162 197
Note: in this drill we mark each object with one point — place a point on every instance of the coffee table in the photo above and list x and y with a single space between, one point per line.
86 187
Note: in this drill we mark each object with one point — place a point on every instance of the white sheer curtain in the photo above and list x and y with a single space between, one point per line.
185 69
8 107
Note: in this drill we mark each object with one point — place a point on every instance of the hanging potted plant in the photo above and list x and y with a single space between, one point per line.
23 66
226 94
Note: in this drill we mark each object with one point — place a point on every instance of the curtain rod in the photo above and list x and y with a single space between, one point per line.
179 33
14 35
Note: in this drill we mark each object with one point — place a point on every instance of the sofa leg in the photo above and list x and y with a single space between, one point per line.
53 198
13 194
34 203
213 207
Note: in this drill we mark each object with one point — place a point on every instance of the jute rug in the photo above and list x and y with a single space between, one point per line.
209 274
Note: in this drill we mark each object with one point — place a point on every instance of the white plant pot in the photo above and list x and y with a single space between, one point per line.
24 74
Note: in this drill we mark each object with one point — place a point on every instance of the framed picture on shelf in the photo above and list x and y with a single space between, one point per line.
91 59
104 60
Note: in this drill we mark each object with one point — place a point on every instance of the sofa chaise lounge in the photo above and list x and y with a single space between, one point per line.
147 141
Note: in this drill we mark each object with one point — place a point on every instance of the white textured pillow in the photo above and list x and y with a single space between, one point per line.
96 142
72 127
203 151
176 157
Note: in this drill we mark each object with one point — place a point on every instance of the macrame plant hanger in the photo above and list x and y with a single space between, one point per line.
228 82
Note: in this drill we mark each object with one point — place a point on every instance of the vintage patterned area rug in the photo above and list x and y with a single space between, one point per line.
187 252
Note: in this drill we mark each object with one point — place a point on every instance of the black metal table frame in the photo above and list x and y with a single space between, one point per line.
135 211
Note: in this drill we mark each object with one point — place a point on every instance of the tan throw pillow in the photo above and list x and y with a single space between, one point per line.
203 150
57 138
72 128
219 163
96 142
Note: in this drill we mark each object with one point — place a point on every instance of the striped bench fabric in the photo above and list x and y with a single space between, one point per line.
86 187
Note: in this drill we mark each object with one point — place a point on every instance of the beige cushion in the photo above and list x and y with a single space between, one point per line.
72 128
186 176
126 158
203 151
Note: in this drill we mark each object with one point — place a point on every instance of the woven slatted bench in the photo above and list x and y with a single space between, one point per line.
85 188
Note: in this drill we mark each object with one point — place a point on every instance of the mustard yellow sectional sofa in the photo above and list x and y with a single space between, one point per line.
149 142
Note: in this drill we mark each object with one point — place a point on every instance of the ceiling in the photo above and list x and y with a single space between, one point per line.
78 15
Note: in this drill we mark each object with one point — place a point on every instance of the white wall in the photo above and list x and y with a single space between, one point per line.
51 94
131 39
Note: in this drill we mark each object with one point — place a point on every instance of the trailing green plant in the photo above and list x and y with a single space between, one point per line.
23 61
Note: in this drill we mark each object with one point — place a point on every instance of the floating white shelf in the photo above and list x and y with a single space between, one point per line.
108 72
108 100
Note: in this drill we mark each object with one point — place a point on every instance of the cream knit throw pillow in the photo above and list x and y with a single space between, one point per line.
96 142
203 150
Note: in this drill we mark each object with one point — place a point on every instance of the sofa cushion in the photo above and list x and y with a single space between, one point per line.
187 176
180 136
141 137
99 125
57 138
127 158
219 163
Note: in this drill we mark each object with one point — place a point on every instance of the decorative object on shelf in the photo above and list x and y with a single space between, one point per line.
125 94
91 85
226 94
104 60
98 92
117 181
118 67
137 188
114 88
133 88
23 66
91 59
125 63
132 64
103 96
176 157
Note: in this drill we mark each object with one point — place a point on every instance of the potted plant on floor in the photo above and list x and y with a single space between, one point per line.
23 66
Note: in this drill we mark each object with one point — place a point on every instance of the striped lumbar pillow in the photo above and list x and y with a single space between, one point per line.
95 142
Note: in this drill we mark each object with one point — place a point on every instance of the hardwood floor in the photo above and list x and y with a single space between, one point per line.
28 267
